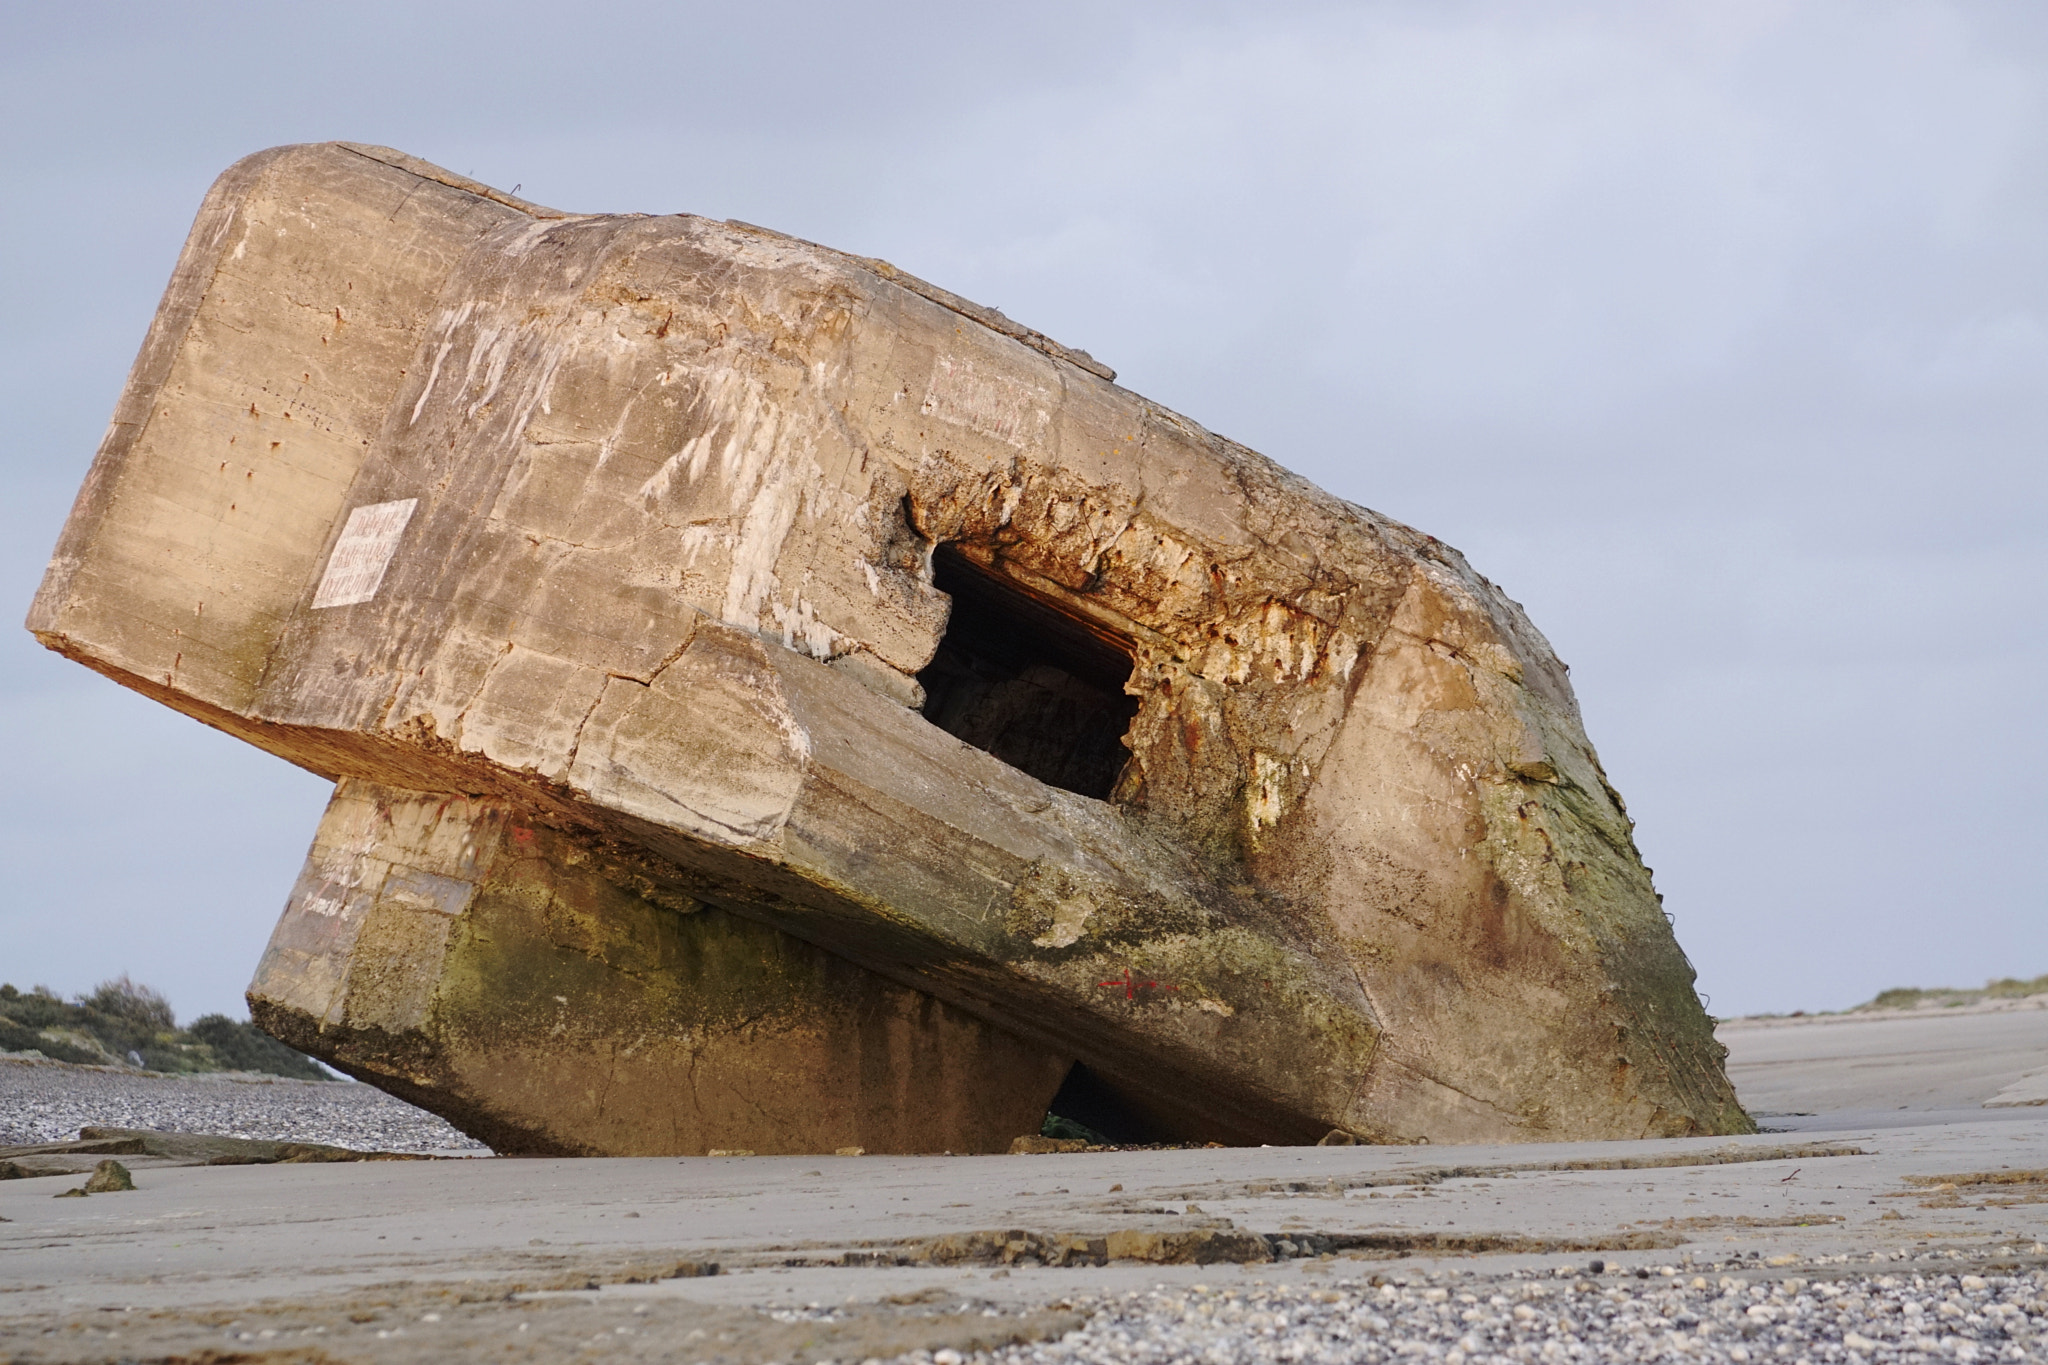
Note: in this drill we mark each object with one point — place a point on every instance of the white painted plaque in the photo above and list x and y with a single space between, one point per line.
356 568
992 404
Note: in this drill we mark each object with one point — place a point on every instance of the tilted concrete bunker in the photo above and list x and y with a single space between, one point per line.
779 705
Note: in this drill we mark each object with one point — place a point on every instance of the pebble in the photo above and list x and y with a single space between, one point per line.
50 1102
1707 1317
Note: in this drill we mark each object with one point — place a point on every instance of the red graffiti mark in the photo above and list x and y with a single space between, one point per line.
521 835
1132 985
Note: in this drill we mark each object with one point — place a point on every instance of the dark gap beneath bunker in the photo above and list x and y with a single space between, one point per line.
1017 677
1090 1108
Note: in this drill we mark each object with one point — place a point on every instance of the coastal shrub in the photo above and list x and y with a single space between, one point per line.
241 1046
121 1022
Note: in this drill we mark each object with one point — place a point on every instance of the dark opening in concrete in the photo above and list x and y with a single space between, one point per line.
1022 679
1086 1099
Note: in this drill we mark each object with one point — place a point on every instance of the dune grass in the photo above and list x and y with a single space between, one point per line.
1942 997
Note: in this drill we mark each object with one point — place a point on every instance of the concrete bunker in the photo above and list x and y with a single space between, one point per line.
567 536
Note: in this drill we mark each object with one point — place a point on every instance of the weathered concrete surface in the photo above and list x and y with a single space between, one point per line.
144 1150
657 530
510 979
331 1256
359 1249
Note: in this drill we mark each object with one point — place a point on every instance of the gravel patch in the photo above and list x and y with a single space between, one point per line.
50 1102
1907 1316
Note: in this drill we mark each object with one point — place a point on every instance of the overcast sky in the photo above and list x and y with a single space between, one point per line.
1717 333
